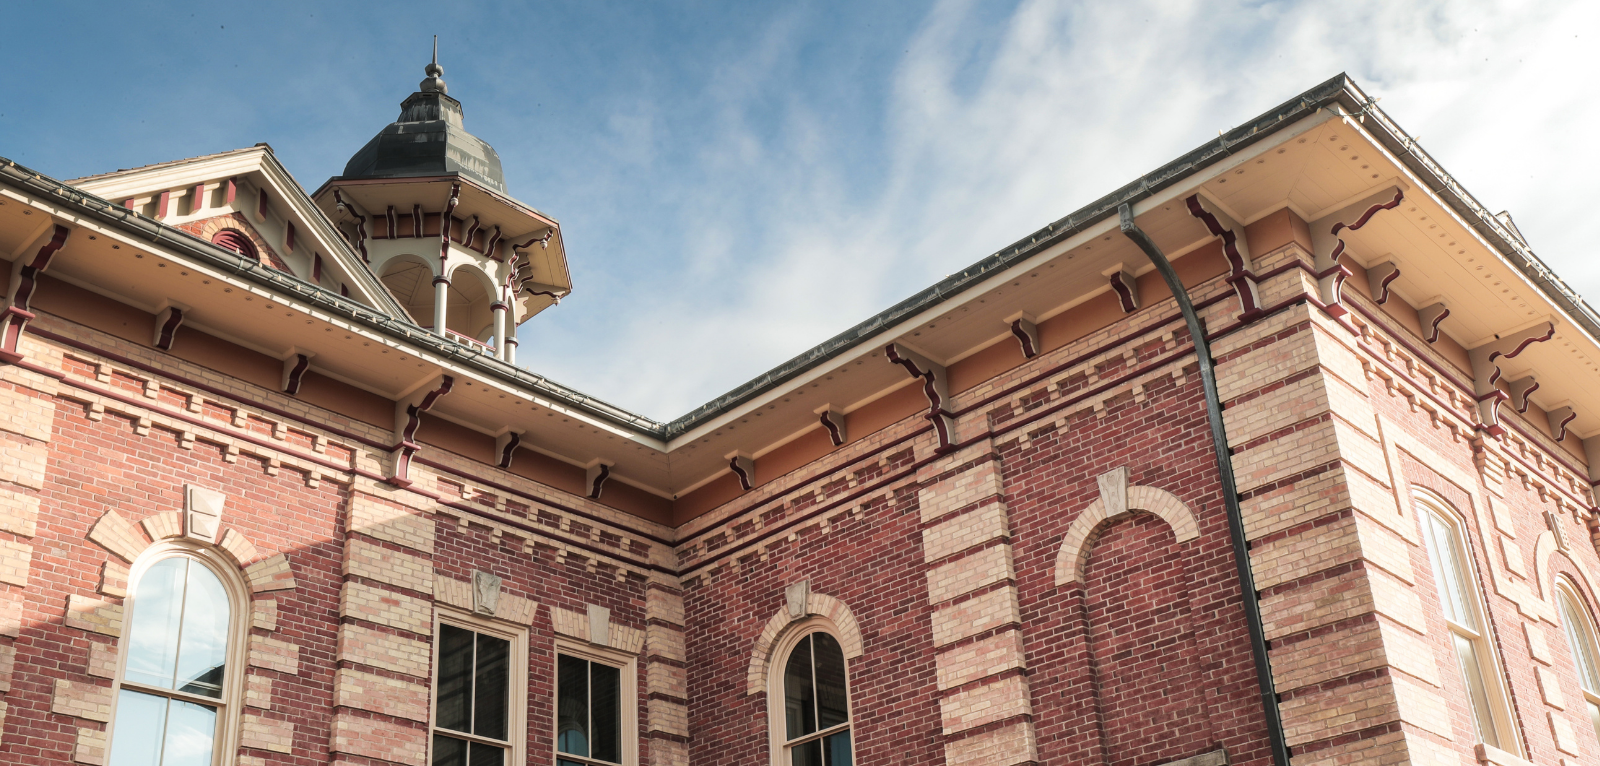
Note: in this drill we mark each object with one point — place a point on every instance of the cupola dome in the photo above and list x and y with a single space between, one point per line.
428 140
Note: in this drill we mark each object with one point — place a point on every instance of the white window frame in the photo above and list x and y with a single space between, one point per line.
1565 588
776 694
517 691
1489 666
230 706
625 662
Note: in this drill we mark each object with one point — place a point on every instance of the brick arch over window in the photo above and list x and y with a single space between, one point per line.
1118 500
122 539
844 628
210 229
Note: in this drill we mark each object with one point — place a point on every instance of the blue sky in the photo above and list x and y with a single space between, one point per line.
739 181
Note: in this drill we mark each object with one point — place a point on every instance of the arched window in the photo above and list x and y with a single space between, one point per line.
1585 654
175 700
814 729
1464 614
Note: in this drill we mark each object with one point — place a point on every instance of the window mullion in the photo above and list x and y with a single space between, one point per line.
183 610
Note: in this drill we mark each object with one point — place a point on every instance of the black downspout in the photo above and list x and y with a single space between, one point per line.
1230 488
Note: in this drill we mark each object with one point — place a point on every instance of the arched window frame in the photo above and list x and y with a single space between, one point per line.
226 745
1478 638
776 724
1581 638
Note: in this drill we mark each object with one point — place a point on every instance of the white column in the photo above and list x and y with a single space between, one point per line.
511 350
499 309
441 297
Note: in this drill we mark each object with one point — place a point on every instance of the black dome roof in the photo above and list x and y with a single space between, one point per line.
428 140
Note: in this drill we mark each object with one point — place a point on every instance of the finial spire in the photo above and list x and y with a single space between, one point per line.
434 72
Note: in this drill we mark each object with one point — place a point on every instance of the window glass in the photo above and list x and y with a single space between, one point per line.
1457 600
799 695
816 702
1449 573
472 696
1580 639
588 711
177 649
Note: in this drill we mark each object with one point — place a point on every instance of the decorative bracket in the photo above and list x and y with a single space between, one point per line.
295 366
408 417
1026 330
1235 247
595 475
1560 418
168 320
934 386
1521 389
1380 277
1430 316
744 467
417 220
394 222
505 447
1328 244
833 423
361 224
1486 370
444 223
1124 286
24 281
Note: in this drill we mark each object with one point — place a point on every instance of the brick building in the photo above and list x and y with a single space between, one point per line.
276 491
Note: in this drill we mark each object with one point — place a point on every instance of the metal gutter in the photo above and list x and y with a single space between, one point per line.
406 333
1339 91
1187 165
1250 597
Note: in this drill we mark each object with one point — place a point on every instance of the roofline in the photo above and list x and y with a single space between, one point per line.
1339 91
403 332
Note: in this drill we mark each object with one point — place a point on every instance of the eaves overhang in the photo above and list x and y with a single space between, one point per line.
1339 94
158 234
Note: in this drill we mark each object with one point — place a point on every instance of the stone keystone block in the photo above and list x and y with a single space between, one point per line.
203 513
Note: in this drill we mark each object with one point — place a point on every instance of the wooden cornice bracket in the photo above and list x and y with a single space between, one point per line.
1381 277
1487 361
1521 389
295 366
1591 449
1124 286
24 283
1560 419
935 386
595 475
832 419
505 447
1327 242
165 330
1235 247
1430 316
1026 330
408 418
744 469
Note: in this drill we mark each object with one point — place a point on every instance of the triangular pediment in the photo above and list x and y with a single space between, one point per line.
250 192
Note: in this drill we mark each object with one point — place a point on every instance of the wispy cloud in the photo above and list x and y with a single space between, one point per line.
992 129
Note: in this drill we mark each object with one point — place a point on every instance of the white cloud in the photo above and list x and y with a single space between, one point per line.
993 132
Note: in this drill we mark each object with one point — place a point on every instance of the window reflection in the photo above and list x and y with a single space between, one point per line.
177 650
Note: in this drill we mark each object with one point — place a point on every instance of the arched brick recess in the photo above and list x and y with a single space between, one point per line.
1080 536
1147 666
207 228
817 605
